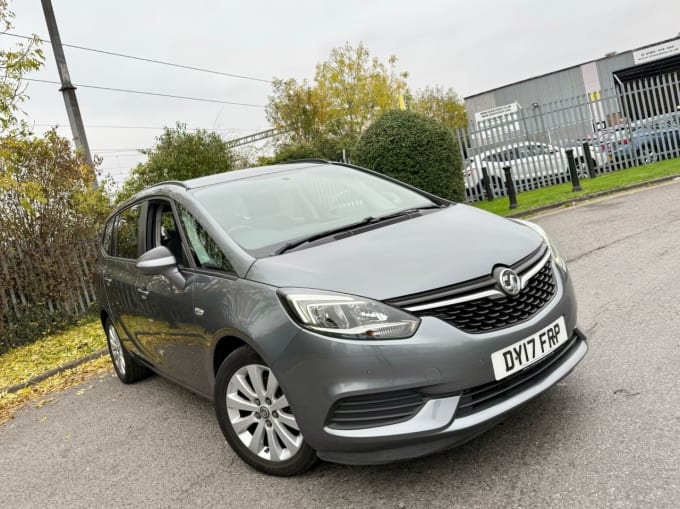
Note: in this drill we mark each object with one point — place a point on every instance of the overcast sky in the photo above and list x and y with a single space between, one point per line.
471 46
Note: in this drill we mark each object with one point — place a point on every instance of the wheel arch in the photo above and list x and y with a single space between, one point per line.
103 316
225 346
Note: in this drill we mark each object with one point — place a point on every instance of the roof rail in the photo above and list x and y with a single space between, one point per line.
171 182
308 160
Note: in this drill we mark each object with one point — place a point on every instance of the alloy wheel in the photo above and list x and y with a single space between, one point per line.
259 414
647 156
116 350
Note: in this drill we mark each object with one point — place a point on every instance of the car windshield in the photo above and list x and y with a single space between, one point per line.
266 212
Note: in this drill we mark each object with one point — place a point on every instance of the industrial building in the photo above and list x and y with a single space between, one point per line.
579 101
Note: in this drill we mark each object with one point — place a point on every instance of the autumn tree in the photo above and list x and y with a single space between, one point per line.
441 104
49 217
179 155
348 92
15 62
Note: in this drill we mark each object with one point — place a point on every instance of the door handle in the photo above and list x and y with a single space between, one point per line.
108 280
143 293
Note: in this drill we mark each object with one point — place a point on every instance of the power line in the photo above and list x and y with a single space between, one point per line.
128 153
155 128
161 62
117 149
142 92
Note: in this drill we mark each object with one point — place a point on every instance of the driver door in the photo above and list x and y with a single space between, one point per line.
166 325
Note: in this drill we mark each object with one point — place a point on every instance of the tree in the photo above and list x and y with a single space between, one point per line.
440 104
179 155
293 152
14 64
349 91
49 217
415 149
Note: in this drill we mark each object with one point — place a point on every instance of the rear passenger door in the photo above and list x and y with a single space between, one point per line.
121 274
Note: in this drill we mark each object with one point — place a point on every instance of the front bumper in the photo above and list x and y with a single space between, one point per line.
439 428
439 360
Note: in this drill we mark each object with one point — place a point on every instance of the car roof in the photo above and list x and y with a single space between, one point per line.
174 186
229 176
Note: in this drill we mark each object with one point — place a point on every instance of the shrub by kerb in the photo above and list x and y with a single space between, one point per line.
415 149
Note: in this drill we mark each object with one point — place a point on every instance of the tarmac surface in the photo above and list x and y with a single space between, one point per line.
606 436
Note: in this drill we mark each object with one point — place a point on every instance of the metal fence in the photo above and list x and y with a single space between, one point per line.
635 123
43 287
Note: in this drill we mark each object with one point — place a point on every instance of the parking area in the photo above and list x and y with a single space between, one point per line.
606 436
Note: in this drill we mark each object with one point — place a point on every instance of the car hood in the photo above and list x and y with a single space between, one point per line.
438 249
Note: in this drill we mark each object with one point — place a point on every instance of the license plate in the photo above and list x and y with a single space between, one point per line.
525 352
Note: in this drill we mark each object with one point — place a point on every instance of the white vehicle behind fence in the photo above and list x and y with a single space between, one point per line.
532 165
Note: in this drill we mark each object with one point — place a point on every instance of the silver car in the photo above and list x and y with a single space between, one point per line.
532 165
332 312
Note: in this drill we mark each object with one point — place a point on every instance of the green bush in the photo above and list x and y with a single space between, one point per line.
287 153
415 149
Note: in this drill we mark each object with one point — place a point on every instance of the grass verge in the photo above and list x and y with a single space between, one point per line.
24 362
562 192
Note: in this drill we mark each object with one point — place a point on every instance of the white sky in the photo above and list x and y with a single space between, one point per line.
470 46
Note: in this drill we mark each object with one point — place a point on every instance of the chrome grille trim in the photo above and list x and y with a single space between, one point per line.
490 293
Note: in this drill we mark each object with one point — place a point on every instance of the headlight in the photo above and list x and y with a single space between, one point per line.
347 316
553 250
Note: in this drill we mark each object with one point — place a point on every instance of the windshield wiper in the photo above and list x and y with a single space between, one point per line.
326 233
365 221
411 211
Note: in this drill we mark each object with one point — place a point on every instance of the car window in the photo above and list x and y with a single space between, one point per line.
127 233
204 249
107 237
511 154
524 151
164 231
265 212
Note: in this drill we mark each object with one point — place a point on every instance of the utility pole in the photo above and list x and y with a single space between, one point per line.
67 89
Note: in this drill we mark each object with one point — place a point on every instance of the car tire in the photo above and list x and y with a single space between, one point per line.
647 155
582 169
128 369
497 186
248 406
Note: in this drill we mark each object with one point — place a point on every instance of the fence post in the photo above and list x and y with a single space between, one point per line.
575 184
590 162
486 182
510 186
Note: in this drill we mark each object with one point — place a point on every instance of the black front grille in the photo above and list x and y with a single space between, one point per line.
484 396
375 409
487 315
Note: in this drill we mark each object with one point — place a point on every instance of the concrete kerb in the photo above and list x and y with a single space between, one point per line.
592 196
55 371
530 212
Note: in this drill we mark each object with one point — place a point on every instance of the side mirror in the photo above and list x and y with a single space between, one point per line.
160 261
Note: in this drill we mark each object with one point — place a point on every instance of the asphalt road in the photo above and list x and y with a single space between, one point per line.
607 436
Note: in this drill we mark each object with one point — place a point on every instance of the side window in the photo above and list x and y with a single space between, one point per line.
107 237
510 155
536 150
162 230
524 151
127 233
203 248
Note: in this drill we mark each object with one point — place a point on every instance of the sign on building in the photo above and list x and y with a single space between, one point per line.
500 112
498 124
663 50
